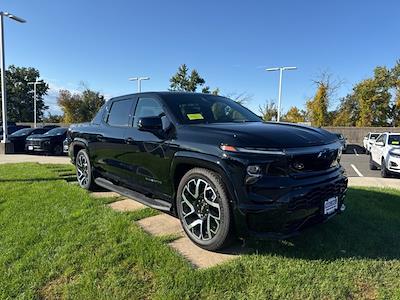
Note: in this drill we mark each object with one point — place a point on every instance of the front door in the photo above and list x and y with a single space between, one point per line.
148 153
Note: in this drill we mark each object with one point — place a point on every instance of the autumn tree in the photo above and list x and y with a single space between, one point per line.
20 97
317 107
294 115
268 111
79 107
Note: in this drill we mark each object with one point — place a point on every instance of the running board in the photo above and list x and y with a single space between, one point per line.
153 203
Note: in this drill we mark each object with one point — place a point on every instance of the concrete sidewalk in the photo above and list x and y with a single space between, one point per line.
375 182
42 159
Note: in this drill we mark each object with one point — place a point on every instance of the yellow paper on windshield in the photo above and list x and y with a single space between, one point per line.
395 142
195 116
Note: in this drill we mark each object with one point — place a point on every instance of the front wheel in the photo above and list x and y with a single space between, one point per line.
203 209
372 165
84 171
384 171
58 149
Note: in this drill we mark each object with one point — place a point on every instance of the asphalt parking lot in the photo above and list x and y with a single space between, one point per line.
356 163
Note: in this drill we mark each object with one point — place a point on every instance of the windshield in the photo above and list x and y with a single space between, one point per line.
203 109
22 132
374 136
339 135
56 131
394 140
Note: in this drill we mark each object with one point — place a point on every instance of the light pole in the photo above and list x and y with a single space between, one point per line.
35 83
139 80
280 69
3 70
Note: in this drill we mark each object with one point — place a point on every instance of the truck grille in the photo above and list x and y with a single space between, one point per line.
316 196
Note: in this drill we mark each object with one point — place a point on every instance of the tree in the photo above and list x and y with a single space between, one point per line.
348 112
20 98
294 115
181 81
373 96
268 111
317 108
79 108
52 118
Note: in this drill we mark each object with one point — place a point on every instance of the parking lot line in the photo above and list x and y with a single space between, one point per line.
355 151
356 170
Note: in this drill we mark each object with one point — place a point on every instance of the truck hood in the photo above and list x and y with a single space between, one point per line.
266 135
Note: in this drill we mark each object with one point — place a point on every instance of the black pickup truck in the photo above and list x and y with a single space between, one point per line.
213 164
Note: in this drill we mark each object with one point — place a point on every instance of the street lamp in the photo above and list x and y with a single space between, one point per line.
139 80
35 83
280 69
3 70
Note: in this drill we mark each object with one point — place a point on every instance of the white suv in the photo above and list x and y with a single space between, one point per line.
369 139
385 154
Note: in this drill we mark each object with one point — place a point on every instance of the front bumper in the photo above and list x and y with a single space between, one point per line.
293 209
37 146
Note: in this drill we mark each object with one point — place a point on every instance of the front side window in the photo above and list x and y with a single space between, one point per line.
119 113
381 139
374 136
148 107
203 109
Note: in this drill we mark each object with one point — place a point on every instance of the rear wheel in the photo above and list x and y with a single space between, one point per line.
384 171
84 171
203 209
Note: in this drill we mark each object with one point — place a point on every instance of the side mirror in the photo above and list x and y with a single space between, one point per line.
380 144
152 124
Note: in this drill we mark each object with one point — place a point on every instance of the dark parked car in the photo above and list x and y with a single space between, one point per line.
11 128
19 137
49 142
212 163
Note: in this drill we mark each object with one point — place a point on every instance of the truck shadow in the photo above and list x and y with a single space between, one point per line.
369 229
351 147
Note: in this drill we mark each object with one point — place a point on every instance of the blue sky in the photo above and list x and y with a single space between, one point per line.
102 43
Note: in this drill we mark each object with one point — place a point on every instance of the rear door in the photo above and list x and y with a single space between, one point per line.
110 149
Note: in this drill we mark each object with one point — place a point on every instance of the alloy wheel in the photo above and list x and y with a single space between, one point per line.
201 212
82 169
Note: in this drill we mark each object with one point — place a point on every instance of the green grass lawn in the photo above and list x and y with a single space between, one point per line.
58 242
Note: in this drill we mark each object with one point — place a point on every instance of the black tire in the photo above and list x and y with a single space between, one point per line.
372 165
384 171
58 149
84 173
215 235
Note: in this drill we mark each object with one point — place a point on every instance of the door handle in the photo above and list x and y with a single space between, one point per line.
129 140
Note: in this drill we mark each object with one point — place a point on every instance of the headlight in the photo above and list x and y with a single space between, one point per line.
339 154
394 152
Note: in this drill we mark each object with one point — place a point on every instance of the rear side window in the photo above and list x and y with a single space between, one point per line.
120 113
98 117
